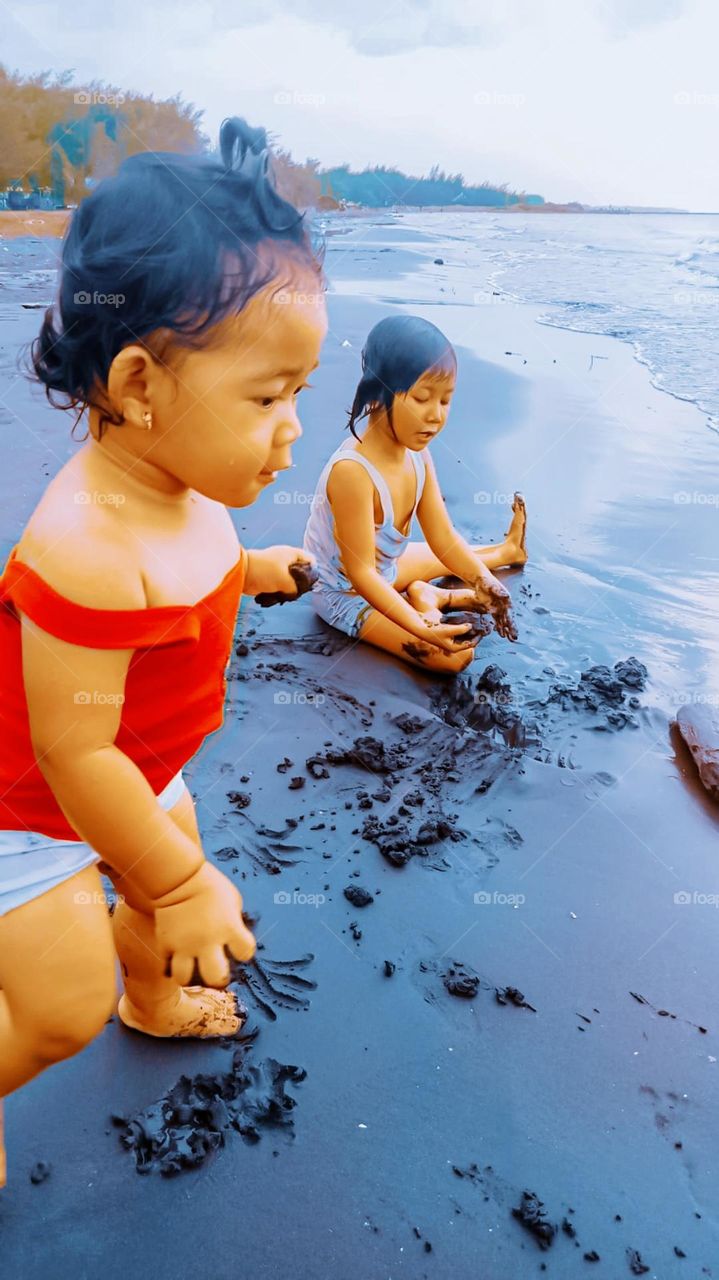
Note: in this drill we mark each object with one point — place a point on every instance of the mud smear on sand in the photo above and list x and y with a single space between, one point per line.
199 1113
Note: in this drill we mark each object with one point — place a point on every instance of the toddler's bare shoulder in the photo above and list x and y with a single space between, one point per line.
84 561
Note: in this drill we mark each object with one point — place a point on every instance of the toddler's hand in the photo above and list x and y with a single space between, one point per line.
197 922
276 574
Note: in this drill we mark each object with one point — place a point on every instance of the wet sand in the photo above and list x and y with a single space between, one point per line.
522 1012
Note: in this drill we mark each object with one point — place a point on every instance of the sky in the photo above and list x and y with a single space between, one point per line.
601 101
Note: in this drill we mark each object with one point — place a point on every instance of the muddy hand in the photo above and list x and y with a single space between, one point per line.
495 598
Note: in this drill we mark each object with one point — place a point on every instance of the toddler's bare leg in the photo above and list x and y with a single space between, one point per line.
152 1002
57 974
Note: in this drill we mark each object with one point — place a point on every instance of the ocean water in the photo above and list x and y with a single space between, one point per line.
649 279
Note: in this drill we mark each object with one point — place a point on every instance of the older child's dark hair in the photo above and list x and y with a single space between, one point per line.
398 351
168 243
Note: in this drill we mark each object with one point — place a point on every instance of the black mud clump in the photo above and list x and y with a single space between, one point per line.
531 1214
358 896
462 981
40 1172
479 625
510 995
371 754
604 692
486 704
398 840
195 1117
636 1266
304 577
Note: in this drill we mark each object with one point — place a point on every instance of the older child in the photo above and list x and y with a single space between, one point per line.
118 603
373 583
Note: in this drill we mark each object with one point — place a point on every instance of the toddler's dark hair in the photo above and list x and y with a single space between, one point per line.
398 351
175 237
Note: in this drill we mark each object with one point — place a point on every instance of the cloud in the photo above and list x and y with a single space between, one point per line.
624 17
380 28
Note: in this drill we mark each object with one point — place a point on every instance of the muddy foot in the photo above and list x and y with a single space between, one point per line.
198 1012
516 535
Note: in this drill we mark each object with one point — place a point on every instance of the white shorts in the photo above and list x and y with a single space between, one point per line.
32 863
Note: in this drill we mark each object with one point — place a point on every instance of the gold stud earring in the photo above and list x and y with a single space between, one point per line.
147 419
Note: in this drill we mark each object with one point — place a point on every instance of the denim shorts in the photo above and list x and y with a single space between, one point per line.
32 863
346 610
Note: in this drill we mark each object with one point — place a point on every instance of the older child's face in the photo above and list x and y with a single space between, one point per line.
228 418
421 413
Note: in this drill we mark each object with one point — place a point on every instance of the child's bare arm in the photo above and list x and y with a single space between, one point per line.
269 571
447 544
351 495
74 698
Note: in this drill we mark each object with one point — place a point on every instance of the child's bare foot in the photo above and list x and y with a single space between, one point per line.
200 1012
433 602
515 537
3 1158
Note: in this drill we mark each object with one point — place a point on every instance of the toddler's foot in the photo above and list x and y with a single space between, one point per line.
200 1012
515 537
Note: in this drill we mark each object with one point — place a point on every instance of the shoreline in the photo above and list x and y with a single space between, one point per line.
426 1114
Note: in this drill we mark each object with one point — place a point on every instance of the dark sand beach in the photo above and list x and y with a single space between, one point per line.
524 1011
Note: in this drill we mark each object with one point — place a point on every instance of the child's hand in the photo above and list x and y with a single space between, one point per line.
197 922
495 598
450 637
282 572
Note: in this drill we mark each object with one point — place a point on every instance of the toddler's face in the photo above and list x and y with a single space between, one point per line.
421 413
233 412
